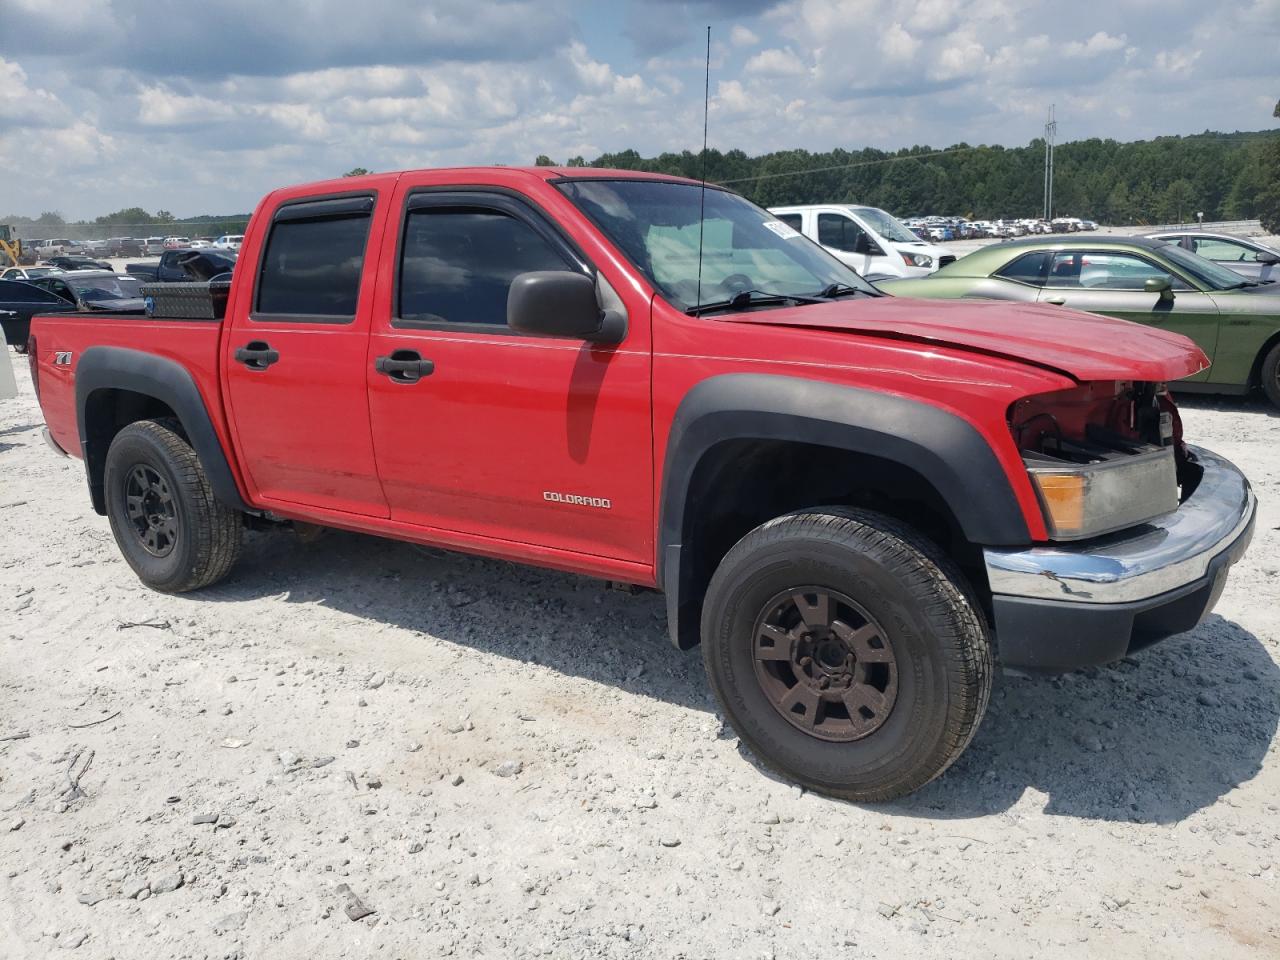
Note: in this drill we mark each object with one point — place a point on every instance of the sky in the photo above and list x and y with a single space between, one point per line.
202 108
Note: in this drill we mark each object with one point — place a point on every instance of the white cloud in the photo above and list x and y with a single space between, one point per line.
236 112
896 44
775 63
1100 42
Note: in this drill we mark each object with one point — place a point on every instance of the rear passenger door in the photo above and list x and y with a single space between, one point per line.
294 356
496 434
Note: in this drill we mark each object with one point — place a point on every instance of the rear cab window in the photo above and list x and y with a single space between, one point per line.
313 260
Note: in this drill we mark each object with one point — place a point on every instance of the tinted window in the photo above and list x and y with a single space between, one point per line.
17 291
792 220
312 267
458 263
1107 271
838 231
1028 268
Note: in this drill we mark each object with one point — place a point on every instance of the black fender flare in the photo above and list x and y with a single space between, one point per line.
118 368
944 449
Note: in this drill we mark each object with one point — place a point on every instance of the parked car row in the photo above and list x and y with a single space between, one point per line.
957 228
128 246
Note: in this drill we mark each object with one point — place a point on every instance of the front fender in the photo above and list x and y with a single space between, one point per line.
944 449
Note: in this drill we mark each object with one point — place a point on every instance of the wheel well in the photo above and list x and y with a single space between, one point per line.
1255 374
106 413
740 484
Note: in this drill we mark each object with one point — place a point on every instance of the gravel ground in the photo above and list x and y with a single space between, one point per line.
504 762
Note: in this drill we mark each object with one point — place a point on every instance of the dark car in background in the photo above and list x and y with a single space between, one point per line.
183 266
95 290
19 302
77 262
1247 257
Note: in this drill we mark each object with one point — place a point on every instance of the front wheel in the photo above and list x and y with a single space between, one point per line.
171 529
846 653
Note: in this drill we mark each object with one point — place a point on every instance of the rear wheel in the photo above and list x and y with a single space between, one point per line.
171 529
1270 375
846 653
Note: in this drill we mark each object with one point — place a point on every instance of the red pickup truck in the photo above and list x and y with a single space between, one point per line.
856 503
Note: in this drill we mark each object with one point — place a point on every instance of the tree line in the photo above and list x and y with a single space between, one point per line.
128 222
1227 176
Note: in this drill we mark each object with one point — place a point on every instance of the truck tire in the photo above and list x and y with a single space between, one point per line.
1269 374
171 529
845 650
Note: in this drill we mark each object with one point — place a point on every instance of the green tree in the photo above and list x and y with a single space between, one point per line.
356 172
544 161
129 215
51 218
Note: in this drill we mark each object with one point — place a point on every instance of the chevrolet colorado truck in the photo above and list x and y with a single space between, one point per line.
857 504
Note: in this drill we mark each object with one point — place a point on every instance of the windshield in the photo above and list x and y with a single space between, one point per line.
104 288
1212 275
656 224
885 225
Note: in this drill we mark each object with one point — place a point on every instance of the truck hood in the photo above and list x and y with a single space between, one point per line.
1084 346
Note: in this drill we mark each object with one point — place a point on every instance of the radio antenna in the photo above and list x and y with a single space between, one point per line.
702 199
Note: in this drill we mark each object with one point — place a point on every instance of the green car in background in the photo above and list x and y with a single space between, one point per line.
1236 321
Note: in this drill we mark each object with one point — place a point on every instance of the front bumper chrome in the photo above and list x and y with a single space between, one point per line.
1149 560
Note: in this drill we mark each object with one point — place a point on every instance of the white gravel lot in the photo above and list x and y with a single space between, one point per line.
507 762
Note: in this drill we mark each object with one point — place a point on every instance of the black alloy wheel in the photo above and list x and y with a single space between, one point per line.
825 664
148 502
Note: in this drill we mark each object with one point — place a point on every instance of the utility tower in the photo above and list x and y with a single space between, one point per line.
1050 135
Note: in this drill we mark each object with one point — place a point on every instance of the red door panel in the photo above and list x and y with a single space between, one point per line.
535 440
506 431
297 399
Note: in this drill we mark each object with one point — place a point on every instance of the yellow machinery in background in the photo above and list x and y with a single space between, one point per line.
10 247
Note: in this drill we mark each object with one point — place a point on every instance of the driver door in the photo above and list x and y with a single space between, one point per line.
497 434
1112 283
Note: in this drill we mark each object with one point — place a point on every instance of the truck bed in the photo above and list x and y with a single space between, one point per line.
62 339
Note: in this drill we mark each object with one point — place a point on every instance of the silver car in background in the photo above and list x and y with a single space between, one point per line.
1247 257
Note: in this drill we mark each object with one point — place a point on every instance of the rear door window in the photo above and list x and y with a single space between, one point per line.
1107 271
18 291
1211 248
313 261
1029 268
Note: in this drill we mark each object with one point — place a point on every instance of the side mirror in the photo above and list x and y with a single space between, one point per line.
1268 258
863 245
1160 285
561 303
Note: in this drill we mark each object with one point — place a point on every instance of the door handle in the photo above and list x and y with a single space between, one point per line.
257 355
1056 301
404 366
